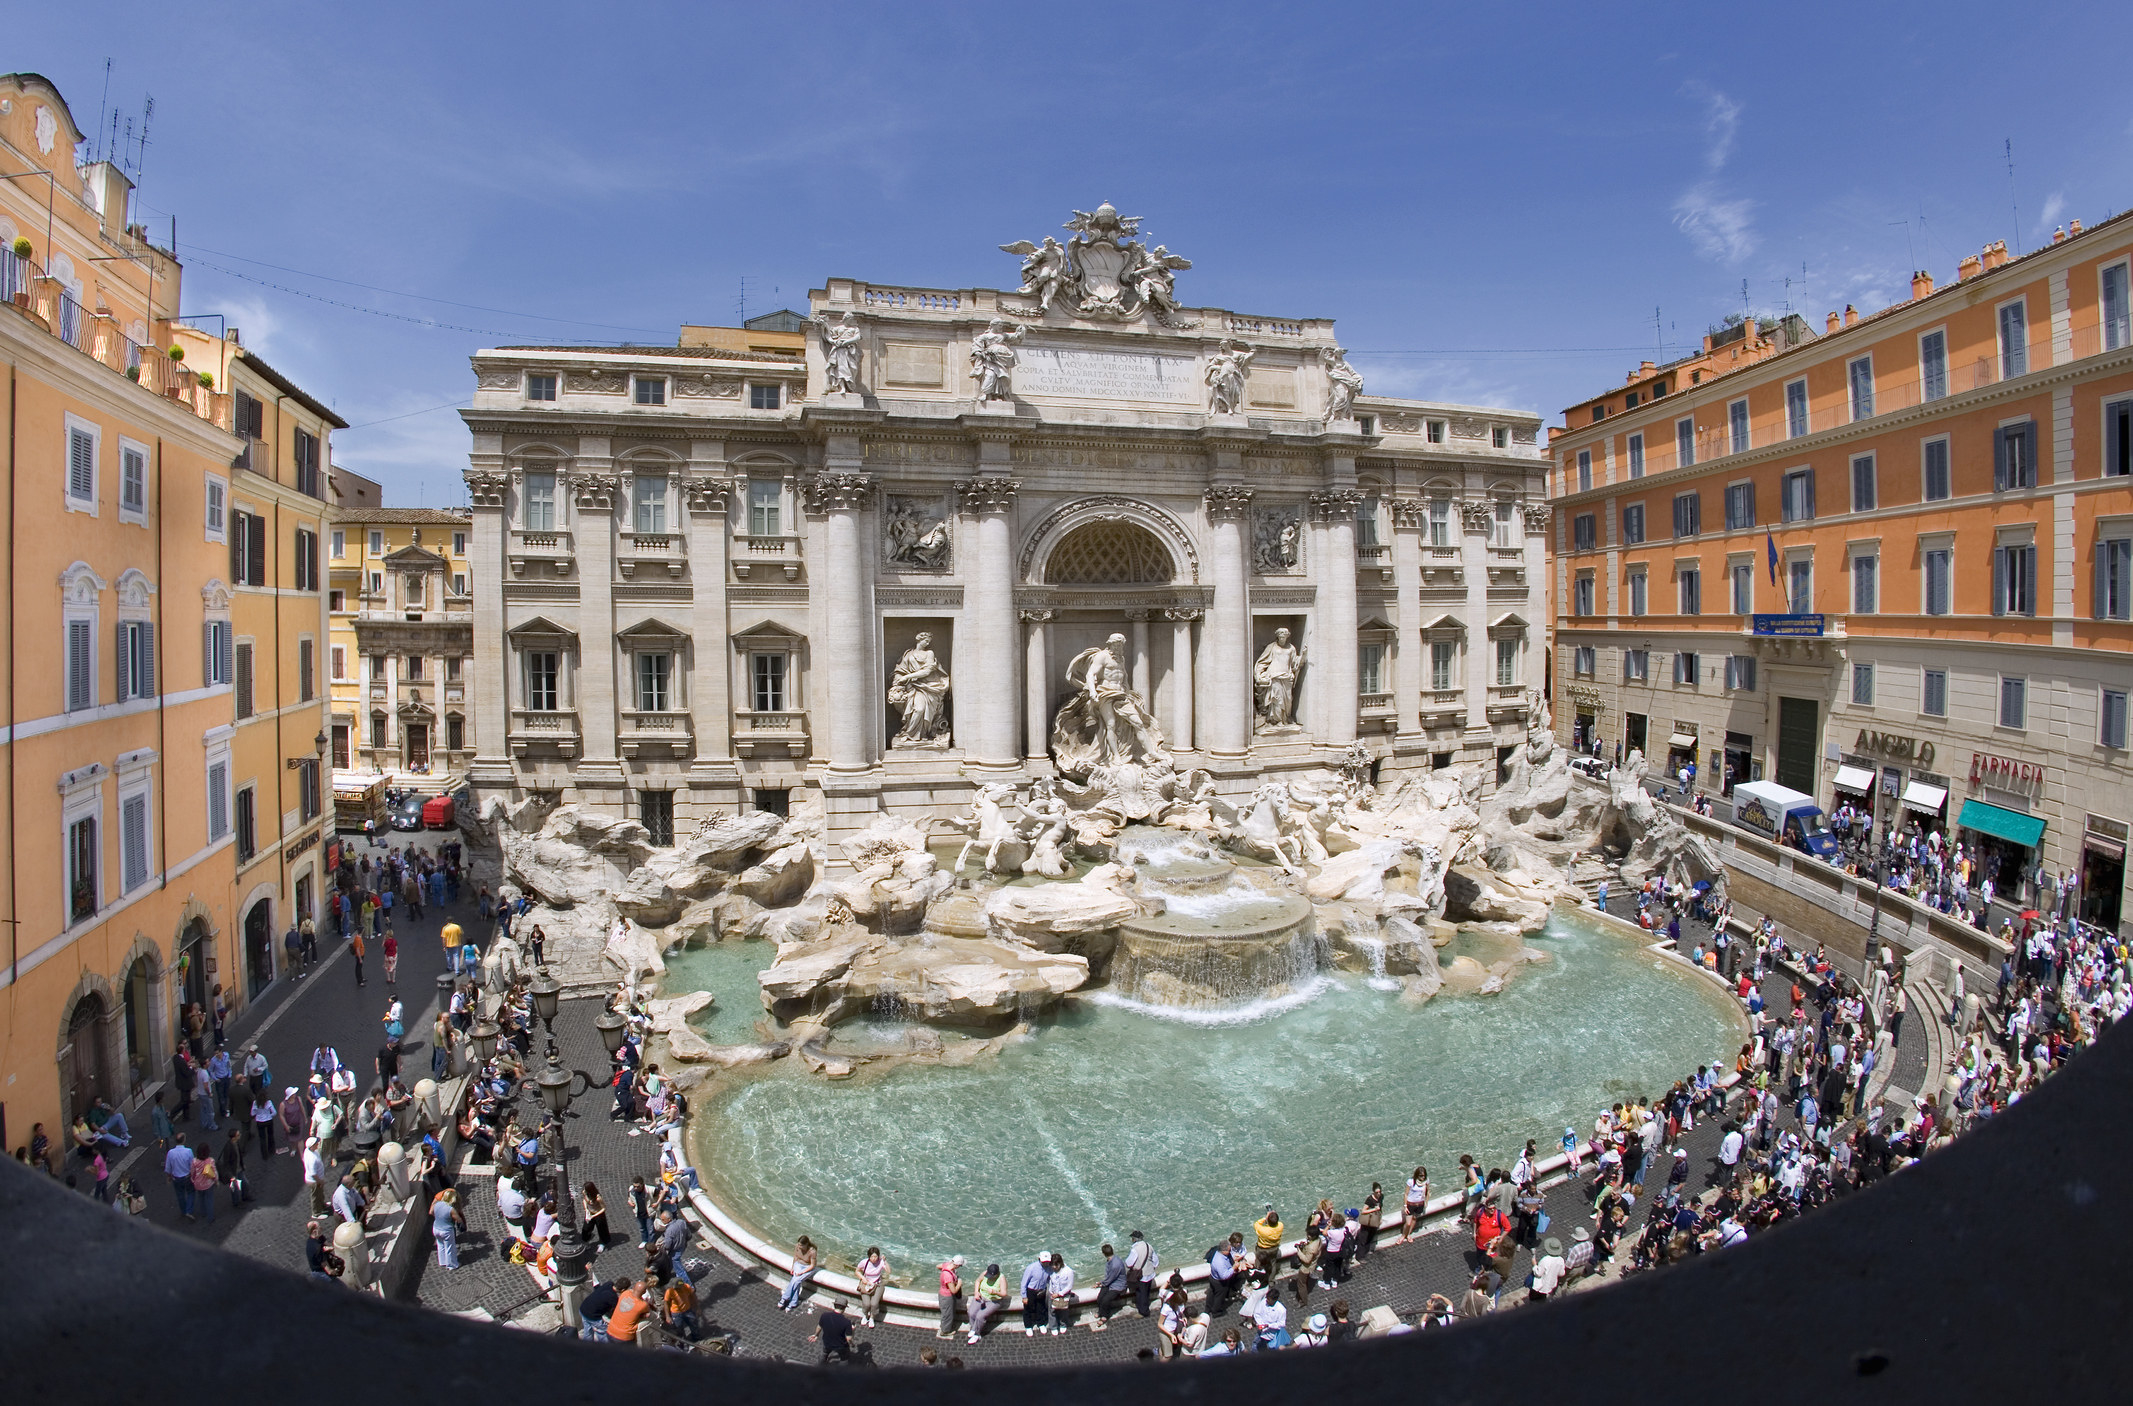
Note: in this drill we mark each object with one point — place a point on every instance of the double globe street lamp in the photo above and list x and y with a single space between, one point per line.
558 1086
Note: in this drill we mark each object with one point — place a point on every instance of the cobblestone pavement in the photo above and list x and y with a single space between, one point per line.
288 1020
744 1302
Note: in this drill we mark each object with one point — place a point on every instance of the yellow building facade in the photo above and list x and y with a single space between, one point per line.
401 654
132 496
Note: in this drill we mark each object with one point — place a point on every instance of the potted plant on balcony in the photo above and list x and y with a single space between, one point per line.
22 249
176 389
207 380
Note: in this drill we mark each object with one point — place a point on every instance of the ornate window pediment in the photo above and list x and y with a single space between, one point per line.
215 597
652 634
80 585
768 637
542 633
134 589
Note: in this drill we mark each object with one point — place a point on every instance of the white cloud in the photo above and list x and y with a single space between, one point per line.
1721 124
1719 228
2054 207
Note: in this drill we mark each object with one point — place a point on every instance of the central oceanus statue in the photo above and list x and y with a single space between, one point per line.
1103 722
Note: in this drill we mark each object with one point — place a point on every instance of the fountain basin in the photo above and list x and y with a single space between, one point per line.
1212 952
1183 1123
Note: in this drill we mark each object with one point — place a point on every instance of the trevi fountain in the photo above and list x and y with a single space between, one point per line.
1117 998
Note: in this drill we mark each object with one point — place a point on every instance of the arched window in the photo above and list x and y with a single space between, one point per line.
1109 554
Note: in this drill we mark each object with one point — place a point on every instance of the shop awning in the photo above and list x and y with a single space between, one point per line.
1919 796
1684 741
1855 779
2009 825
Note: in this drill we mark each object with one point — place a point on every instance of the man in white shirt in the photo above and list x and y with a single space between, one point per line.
1547 1271
1729 1149
315 1175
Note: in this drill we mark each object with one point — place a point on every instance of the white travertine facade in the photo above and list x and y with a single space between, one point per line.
702 571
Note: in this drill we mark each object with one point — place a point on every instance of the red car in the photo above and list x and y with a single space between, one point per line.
439 813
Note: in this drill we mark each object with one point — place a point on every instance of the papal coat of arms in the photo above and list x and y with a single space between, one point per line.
1104 272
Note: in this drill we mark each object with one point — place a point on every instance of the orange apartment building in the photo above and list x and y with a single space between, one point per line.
1891 563
142 603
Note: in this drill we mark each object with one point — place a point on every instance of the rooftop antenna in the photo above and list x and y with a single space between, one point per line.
741 305
1910 245
2013 205
103 105
140 158
1658 337
1744 299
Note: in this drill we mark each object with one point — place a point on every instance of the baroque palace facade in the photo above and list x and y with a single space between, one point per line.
1890 564
867 558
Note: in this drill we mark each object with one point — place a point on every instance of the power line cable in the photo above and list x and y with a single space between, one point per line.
448 405
419 297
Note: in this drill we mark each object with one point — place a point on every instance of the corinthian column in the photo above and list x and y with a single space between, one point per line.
594 493
1410 652
842 497
985 695
489 705
1334 650
1226 711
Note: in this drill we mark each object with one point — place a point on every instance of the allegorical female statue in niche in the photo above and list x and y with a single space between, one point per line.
1274 681
919 687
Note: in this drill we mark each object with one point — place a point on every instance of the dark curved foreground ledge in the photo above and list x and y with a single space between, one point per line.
1995 1271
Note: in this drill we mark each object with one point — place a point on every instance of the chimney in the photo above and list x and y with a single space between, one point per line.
1921 285
236 337
2073 228
1968 268
2059 235
1646 368
1707 343
1750 327
1995 254
1831 325
1851 315
109 187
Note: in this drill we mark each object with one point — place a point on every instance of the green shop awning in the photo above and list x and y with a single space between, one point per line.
2009 825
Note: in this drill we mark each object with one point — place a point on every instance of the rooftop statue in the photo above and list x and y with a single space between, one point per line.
840 355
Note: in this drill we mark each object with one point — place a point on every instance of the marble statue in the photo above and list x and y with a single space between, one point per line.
1104 272
1226 371
992 358
1274 683
1045 270
987 825
919 688
1277 546
1045 819
914 536
1151 275
1104 722
1344 383
840 354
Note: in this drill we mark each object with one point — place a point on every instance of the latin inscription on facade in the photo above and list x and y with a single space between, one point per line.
1093 375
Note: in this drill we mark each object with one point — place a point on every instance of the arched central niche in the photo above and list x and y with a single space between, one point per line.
1111 553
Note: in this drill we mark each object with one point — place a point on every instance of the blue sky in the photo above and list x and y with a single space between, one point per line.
1491 200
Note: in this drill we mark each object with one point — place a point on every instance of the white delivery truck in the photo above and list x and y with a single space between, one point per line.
1785 815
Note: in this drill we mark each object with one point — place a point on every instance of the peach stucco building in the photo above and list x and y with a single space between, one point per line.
1891 562
156 726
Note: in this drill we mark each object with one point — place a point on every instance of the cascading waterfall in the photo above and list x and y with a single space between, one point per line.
1220 941
1363 935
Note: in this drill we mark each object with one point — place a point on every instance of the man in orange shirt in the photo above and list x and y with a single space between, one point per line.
630 1311
451 938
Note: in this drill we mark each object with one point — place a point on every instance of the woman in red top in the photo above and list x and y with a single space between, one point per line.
391 948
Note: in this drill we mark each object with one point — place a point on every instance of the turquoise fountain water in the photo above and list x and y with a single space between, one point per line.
1118 1116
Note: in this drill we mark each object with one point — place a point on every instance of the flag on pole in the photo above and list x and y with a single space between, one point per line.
1770 546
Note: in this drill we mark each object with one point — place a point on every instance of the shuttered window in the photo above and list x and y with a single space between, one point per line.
2014 580
2118 439
1740 506
136 660
2014 456
1939 567
1935 471
218 800
133 481
220 666
243 679
306 656
81 665
2114 579
247 824
133 828
81 467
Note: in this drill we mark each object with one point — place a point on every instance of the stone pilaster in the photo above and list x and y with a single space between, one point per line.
1226 714
1181 713
1410 652
489 712
843 498
1143 670
1334 652
594 491
986 701
707 499
1036 681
